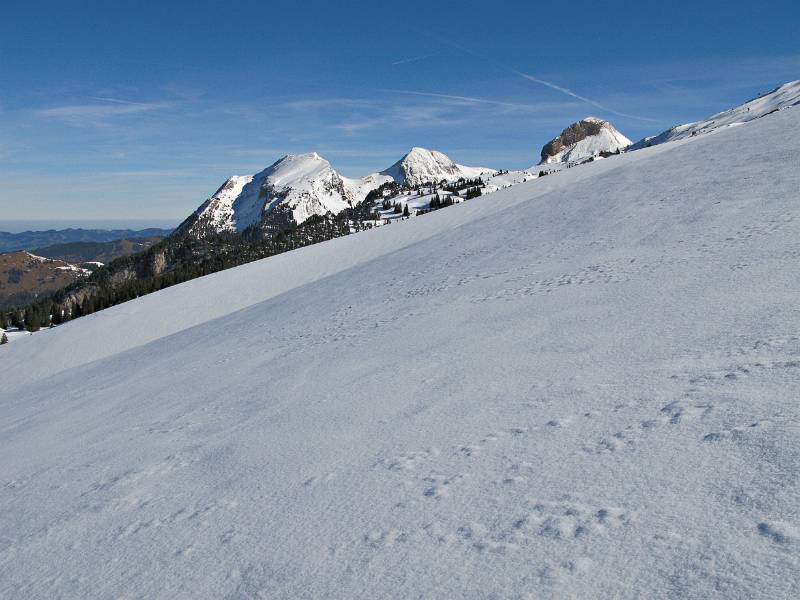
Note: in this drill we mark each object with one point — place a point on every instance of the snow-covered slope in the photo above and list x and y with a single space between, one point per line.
781 97
302 185
583 139
504 179
421 165
581 386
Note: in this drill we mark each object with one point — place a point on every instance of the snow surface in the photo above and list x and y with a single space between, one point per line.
582 386
502 180
782 97
13 335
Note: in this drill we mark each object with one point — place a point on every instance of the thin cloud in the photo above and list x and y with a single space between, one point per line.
476 100
337 102
114 100
404 61
97 113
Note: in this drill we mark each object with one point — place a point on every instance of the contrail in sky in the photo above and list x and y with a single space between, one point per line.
413 59
543 82
471 99
115 100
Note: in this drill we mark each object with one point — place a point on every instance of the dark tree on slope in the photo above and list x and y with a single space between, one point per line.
3 339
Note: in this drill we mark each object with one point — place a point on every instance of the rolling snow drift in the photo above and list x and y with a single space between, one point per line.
582 386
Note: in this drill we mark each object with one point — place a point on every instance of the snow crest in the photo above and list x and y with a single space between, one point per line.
782 97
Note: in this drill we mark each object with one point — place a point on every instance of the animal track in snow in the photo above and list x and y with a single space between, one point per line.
438 485
681 410
316 480
469 450
614 443
409 461
567 521
383 538
780 532
557 423
734 433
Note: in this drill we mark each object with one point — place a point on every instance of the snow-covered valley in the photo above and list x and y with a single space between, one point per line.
581 386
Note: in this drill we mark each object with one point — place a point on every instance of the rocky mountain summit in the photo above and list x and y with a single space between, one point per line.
582 140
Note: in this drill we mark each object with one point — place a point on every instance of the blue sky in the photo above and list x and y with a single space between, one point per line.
109 110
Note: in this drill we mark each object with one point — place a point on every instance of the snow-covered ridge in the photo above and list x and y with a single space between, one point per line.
781 97
299 186
582 140
36 257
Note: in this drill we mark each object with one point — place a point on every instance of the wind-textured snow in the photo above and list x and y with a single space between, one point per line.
581 386
782 97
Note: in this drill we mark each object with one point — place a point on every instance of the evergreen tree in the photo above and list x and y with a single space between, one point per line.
405 211
32 319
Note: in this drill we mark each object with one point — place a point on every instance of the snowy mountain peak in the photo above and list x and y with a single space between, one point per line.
584 139
292 189
296 166
306 158
421 165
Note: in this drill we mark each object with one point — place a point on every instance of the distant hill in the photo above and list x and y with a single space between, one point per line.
28 240
30 276
104 252
25 277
